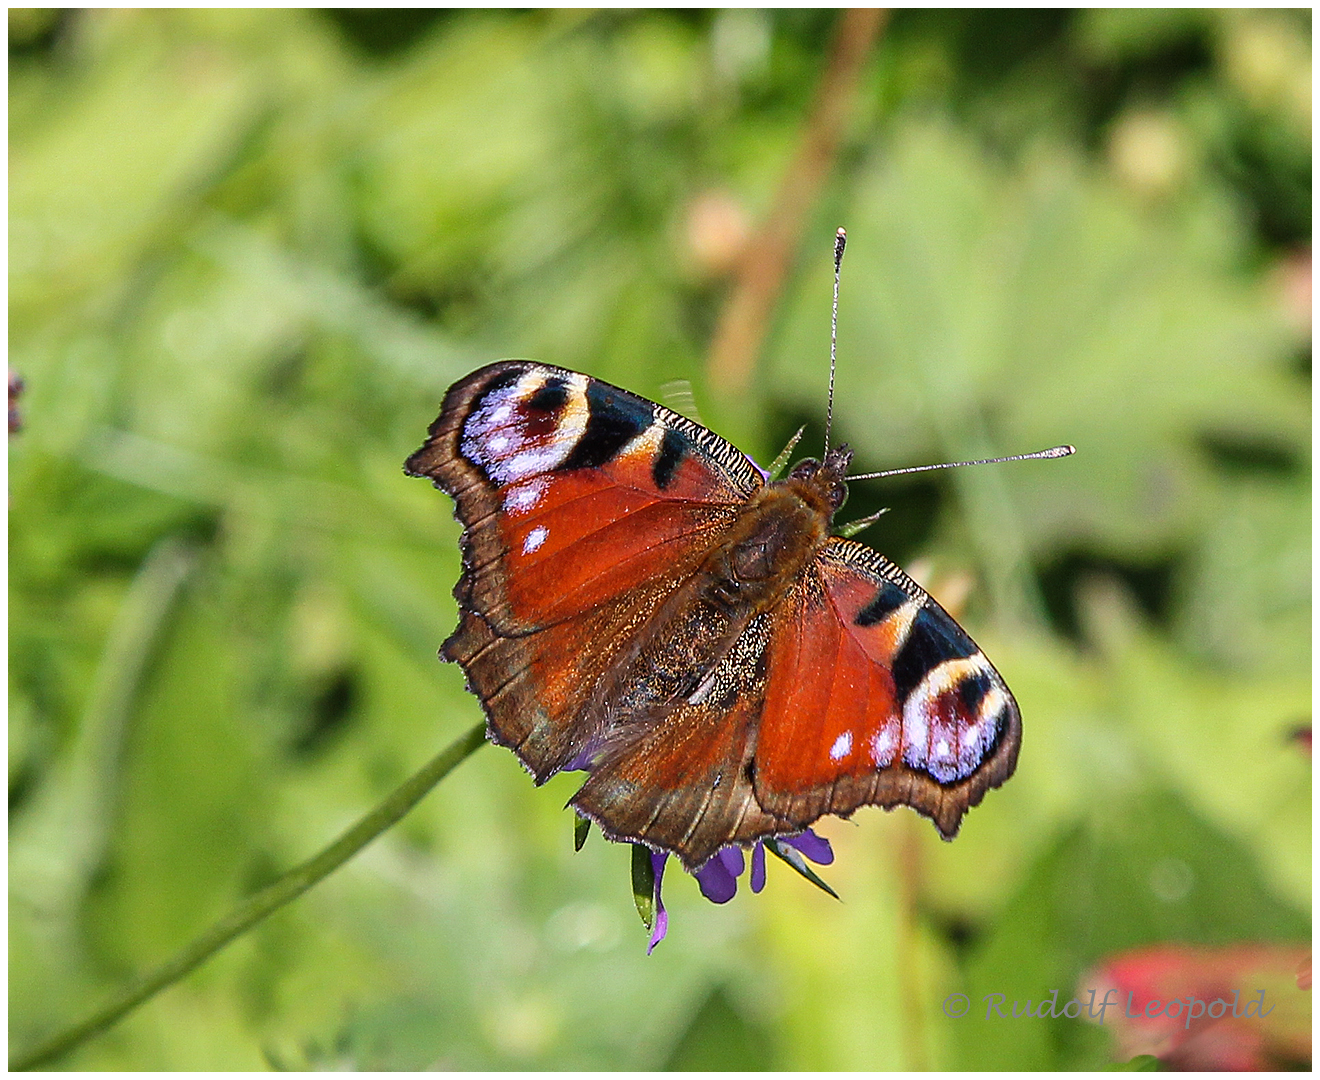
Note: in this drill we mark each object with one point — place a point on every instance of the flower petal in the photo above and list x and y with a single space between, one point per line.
816 848
717 879
661 925
758 867
732 857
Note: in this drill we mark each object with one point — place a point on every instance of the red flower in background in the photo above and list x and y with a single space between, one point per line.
1238 1008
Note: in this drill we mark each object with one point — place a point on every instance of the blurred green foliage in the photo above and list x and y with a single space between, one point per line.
249 250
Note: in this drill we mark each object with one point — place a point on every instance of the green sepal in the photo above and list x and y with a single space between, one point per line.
643 883
794 858
777 466
854 527
580 829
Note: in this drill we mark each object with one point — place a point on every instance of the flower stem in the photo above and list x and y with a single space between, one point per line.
270 899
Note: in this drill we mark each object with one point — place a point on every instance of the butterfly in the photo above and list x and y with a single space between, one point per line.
638 600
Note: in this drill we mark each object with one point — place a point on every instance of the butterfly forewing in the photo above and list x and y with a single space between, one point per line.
583 507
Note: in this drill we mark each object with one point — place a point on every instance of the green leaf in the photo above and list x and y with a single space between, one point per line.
643 883
721 1038
781 459
852 528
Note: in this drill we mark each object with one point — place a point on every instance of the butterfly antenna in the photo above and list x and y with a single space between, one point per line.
840 242
1052 452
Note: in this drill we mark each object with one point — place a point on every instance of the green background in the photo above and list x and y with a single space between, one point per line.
249 251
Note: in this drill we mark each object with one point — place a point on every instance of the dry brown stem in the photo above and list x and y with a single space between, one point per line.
764 264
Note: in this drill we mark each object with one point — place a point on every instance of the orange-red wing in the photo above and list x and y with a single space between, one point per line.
572 491
590 537
684 784
584 507
874 695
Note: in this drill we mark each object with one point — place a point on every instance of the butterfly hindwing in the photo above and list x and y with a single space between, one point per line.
856 689
684 785
876 696
583 507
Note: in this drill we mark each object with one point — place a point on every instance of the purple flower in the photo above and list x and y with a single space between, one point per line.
758 868
816 848
718 878
660 927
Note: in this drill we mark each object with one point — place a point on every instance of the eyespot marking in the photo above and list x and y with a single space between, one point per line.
942 733
525 425
551 396
932 639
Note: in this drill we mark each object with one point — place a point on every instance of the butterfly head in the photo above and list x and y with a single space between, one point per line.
826 477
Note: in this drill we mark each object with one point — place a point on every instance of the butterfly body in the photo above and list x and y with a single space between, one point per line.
779 531
639 602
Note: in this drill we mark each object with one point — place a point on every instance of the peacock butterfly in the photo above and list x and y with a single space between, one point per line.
639 600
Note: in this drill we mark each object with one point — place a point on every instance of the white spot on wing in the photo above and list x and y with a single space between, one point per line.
883 743
523 497
916 731
535 539
841 746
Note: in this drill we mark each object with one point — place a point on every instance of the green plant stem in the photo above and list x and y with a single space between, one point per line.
270 899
